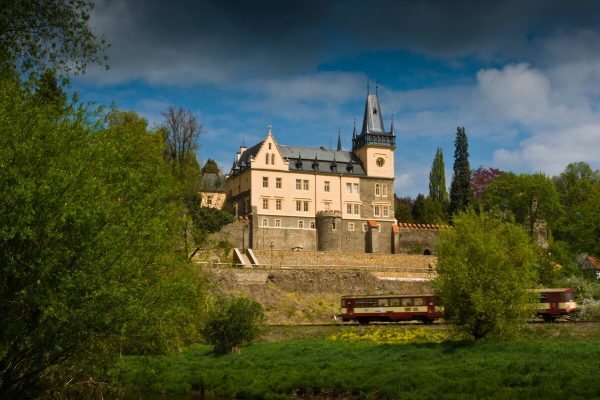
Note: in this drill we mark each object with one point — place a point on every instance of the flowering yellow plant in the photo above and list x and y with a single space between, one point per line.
393 335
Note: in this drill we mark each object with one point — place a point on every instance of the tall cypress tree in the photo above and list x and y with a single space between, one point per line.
461 189
437 179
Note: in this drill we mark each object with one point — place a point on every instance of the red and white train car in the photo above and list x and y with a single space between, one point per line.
391 308
555 303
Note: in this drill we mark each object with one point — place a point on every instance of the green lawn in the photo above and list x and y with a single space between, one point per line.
534 369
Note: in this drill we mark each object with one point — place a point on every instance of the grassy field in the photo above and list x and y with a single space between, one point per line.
549 363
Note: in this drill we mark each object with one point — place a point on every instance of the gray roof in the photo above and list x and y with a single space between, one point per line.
373 119
327 161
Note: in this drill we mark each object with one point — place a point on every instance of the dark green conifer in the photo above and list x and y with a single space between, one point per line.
437 179
461 189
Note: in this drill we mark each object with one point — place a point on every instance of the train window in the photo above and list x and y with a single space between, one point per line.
366 303
382 303
543 298
419 301
394 302
407 302
568 296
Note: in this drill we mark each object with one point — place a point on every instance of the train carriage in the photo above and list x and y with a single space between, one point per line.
555 303
391 308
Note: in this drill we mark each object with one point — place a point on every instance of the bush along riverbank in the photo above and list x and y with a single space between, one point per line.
379 366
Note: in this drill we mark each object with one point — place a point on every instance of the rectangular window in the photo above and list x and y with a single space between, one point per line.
298 184
377 190
278 183
384 190
265 222
326 186
351 226
327 205
306 206
357 209
355 187
386 211
278 223
300 224
265 182
265 204
377 211
333 227
298 205
348 208
278 204
305 184
348 188
312 224
364 226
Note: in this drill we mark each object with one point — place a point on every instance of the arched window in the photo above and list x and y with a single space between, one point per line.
267 158
273 159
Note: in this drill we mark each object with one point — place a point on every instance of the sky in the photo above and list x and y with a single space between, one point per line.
522 77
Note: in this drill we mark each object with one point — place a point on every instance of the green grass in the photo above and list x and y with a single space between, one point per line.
484 370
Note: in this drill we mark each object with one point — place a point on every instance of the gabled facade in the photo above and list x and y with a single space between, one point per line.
313 198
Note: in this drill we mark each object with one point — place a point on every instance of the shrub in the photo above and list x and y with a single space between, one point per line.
233 322
590 309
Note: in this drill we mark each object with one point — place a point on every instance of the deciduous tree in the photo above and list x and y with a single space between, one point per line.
485 266
51 34
481 179
89 268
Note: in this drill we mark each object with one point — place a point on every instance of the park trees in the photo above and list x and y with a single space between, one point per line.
89 268
461 190
485 266
437 185
530 198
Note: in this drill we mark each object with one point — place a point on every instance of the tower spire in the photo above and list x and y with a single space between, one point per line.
392 131
339 145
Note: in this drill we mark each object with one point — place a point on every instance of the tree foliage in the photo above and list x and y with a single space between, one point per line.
530 198
86 245
461 191
403 208
211 167
51 34
578 192
437 179
485 266
481 179
232 322
181 134
427 211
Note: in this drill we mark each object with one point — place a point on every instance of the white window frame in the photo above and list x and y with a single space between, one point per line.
306 206
350 226
264 222
278 204
365 228
265 203
348 208
277 183
386 211
298 205
298 184
377 189
312 224
355 188
326 186
384 192
265 181
305 184
348 188
277 223
377 210
300 224
357 209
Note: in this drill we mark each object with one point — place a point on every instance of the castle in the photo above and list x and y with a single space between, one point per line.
308 198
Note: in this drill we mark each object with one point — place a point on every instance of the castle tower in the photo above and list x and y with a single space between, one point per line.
329 231
374 146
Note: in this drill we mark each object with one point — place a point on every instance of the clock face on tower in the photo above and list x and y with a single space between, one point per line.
380 161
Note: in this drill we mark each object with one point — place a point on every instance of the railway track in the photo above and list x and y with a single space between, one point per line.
416 323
